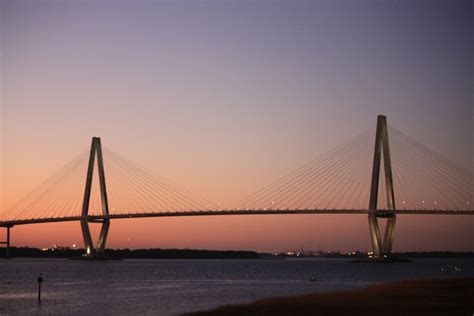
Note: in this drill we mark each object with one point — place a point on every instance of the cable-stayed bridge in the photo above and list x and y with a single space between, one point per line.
366 175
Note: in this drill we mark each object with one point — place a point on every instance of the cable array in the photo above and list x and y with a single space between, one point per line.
340 179
131 188
60 195
425 179
134 189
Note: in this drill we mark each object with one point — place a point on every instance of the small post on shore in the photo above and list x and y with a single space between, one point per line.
40 280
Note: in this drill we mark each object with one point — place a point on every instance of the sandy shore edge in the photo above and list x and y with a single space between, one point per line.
414 297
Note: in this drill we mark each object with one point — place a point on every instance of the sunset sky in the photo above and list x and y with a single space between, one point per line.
223 97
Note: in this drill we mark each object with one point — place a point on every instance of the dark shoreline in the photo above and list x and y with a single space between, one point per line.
157 253
414 297
25 252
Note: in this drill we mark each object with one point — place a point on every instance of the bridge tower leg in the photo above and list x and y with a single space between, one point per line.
91 251
7 242
382 150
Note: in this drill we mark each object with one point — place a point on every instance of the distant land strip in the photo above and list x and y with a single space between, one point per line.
27 252
158 253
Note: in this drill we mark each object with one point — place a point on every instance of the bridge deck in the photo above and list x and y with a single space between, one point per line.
232 212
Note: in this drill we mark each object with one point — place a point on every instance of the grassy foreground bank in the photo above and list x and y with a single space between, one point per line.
417 297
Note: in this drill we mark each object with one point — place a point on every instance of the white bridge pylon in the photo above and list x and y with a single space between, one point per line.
91 251
382 150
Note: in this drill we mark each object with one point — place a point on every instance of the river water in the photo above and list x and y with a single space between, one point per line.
170 287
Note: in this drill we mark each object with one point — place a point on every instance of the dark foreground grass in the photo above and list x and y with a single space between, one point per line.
418 297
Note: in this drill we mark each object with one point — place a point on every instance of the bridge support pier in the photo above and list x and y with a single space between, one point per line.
382 150
7 242
91 251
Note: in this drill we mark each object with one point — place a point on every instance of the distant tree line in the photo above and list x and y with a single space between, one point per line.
155 253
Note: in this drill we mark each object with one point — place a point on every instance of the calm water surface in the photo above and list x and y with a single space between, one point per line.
170 287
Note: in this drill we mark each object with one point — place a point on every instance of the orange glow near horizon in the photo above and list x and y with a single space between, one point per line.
259 233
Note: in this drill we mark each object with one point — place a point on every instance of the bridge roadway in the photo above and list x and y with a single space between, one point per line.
99 218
